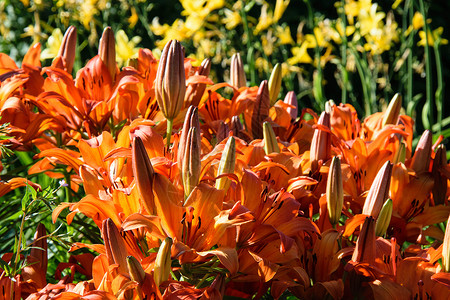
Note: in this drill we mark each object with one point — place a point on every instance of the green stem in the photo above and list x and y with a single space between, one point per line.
250 48
440 85
169 133
427 69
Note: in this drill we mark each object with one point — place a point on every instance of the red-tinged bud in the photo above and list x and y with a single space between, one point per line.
227 164
116 250
393 111
291 99
135 269
379 191
39 250
222 131
260 110
191 168
237 73
143 174
107 51
335 191
236 126
422 157
190 120
321 143
446 248
440 181
170 82
163 262
66 54
365 250
275 84
270 139
194 92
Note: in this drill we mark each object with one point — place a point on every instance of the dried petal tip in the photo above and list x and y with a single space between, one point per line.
163 262
191 162
422 156
170 82
237 74
66 54
227 164
275 84
107 51
291 99
143 174
379 191
270 139
446 248
393 111
335 191
384 219
135 269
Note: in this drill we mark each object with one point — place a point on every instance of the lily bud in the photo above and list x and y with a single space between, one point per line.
194 92
291 99
275 84
446 248
270 139
384 219
170 82
107 51
393 111
227 164
421 159
260 110
440 182
236 126
143 174
191 162
237 74
66 54
190 120
335 191
222 131
379 191
163 262
135 269
116 251
365 250
321 143
39 249
400 155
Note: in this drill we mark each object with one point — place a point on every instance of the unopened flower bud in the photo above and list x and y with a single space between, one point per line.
135 269
66 55
143 174
222 131
163 262
422 156
116 250
393 111
275 84
379 191
237 74
440 181
236 126
335 191
107 51
227 164
291 99
170 82
190 120
384 218
446 248
270 139
260 110
365 250
321 143
194 92
191 162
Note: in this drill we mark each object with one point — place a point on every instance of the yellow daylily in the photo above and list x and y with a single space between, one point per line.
432 37
53 44
125 48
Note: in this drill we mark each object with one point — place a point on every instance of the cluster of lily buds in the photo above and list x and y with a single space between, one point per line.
249 195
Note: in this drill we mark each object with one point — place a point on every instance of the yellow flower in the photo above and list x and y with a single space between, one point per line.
432 37
300 55
133 18
267 19
53 44
284 35
232 19
370 20
125 48
396 4
417 21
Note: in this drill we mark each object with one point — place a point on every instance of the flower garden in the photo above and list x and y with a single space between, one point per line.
223 150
